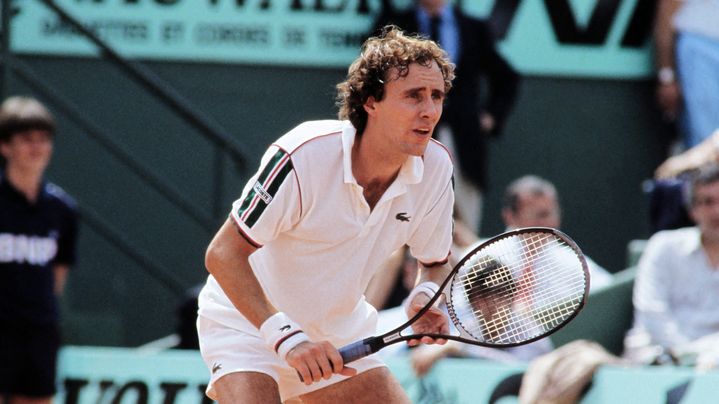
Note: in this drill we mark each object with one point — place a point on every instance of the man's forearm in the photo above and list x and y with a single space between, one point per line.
664 33
436 274
227 259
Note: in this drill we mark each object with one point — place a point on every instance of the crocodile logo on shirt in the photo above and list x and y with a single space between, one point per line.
402 217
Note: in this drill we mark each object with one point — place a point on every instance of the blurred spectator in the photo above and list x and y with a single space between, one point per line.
531 201
687 59
666 191
676 292
705 152
466 124
38 228
676 295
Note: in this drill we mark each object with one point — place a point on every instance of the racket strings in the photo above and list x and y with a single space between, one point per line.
474 269
548 275
536 320
543 317
474 272
522 295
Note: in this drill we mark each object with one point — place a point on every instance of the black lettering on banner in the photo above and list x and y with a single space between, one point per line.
322 7
160 2
501 16
72 390
105 385
294 37
138 386
565 26
172 31
171 390
341 39
640 25
108 390
126 30
232 34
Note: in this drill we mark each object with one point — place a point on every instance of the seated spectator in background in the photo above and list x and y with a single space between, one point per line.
38 228
667 209
529 201
676 292
676 296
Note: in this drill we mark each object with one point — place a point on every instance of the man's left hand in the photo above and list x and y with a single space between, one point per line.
433 321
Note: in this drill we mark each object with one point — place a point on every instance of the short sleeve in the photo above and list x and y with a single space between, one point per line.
270 203
67 241
431 241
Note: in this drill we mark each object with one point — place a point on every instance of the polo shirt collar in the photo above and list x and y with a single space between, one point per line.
9 189
410 173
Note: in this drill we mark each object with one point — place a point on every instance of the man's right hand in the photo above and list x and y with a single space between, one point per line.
317 360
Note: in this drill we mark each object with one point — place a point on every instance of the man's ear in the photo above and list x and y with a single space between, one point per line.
508 216
370 106
691 213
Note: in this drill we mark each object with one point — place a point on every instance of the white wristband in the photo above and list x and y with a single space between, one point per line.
428 288
282 334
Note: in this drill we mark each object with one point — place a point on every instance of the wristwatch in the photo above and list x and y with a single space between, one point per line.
665 75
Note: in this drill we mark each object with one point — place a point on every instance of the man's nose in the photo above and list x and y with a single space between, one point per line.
431 109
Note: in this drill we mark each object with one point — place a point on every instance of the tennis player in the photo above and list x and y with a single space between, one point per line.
330 202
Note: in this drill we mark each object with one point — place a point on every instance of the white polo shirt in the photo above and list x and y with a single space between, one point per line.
320 243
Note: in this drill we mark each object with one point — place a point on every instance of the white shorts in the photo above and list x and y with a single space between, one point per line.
227 350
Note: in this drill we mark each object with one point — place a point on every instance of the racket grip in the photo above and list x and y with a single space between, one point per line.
354 351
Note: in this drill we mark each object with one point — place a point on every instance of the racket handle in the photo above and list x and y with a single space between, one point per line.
356 350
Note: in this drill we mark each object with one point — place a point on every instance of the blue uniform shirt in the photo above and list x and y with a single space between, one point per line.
33 238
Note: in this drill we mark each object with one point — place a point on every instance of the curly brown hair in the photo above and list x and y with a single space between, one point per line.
367 75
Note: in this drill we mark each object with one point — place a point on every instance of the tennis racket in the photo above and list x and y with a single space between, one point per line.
513 289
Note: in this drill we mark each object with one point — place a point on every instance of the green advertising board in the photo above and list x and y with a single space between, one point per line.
131 376
580 38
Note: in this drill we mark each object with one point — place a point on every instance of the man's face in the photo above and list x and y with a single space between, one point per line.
28 151
705 210
534 211
410 109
